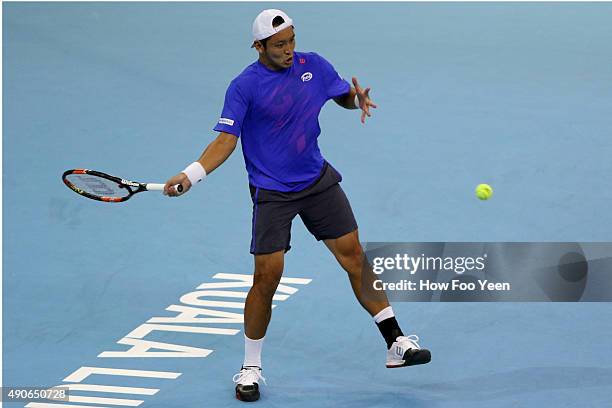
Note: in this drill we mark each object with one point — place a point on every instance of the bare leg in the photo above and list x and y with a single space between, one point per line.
349 254
258 308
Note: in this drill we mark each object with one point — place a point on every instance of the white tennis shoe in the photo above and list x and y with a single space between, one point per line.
247 383
406 351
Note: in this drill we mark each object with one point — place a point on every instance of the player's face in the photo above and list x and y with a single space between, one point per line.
278 53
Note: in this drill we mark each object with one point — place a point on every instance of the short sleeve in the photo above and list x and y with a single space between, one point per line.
335 85
234 111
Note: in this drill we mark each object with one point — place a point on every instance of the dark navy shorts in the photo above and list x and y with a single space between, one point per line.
323 207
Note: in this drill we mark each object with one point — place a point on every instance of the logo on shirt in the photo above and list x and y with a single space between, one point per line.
226 121
302 60
306 76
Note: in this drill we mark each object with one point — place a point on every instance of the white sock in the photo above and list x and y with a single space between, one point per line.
384 314
252 351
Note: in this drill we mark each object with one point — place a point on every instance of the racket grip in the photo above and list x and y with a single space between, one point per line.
160 187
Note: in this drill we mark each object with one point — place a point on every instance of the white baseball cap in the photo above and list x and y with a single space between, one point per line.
262 26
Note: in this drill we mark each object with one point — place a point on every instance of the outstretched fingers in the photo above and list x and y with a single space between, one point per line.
364 100
368 100
356 85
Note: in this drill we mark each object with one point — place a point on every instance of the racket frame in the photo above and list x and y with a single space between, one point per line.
132 187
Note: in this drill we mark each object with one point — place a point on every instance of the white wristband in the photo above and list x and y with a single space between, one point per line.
357 102
195 172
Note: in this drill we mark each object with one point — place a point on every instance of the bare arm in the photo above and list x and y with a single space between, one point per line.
347 101
213 156
218 151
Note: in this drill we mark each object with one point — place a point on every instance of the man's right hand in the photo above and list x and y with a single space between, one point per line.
181 179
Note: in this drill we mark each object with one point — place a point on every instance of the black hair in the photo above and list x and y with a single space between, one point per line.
278 20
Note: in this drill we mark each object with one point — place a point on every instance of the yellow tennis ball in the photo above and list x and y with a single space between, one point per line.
484 191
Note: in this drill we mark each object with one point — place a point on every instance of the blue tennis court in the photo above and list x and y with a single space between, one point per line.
516 95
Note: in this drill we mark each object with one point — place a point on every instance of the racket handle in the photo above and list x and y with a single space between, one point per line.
160 187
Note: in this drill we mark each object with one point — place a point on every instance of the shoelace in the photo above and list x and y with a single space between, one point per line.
249 375
413 338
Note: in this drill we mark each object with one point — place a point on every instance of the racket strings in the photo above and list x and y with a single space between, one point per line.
99 186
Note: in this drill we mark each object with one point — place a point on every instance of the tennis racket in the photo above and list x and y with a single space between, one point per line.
104 187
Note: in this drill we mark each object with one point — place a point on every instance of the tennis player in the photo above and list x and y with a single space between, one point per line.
273 108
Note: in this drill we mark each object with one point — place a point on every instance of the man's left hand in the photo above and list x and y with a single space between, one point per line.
365 103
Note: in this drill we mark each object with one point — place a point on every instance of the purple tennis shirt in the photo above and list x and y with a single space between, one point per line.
276 116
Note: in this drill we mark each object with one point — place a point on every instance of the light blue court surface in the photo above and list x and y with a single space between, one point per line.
515 95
